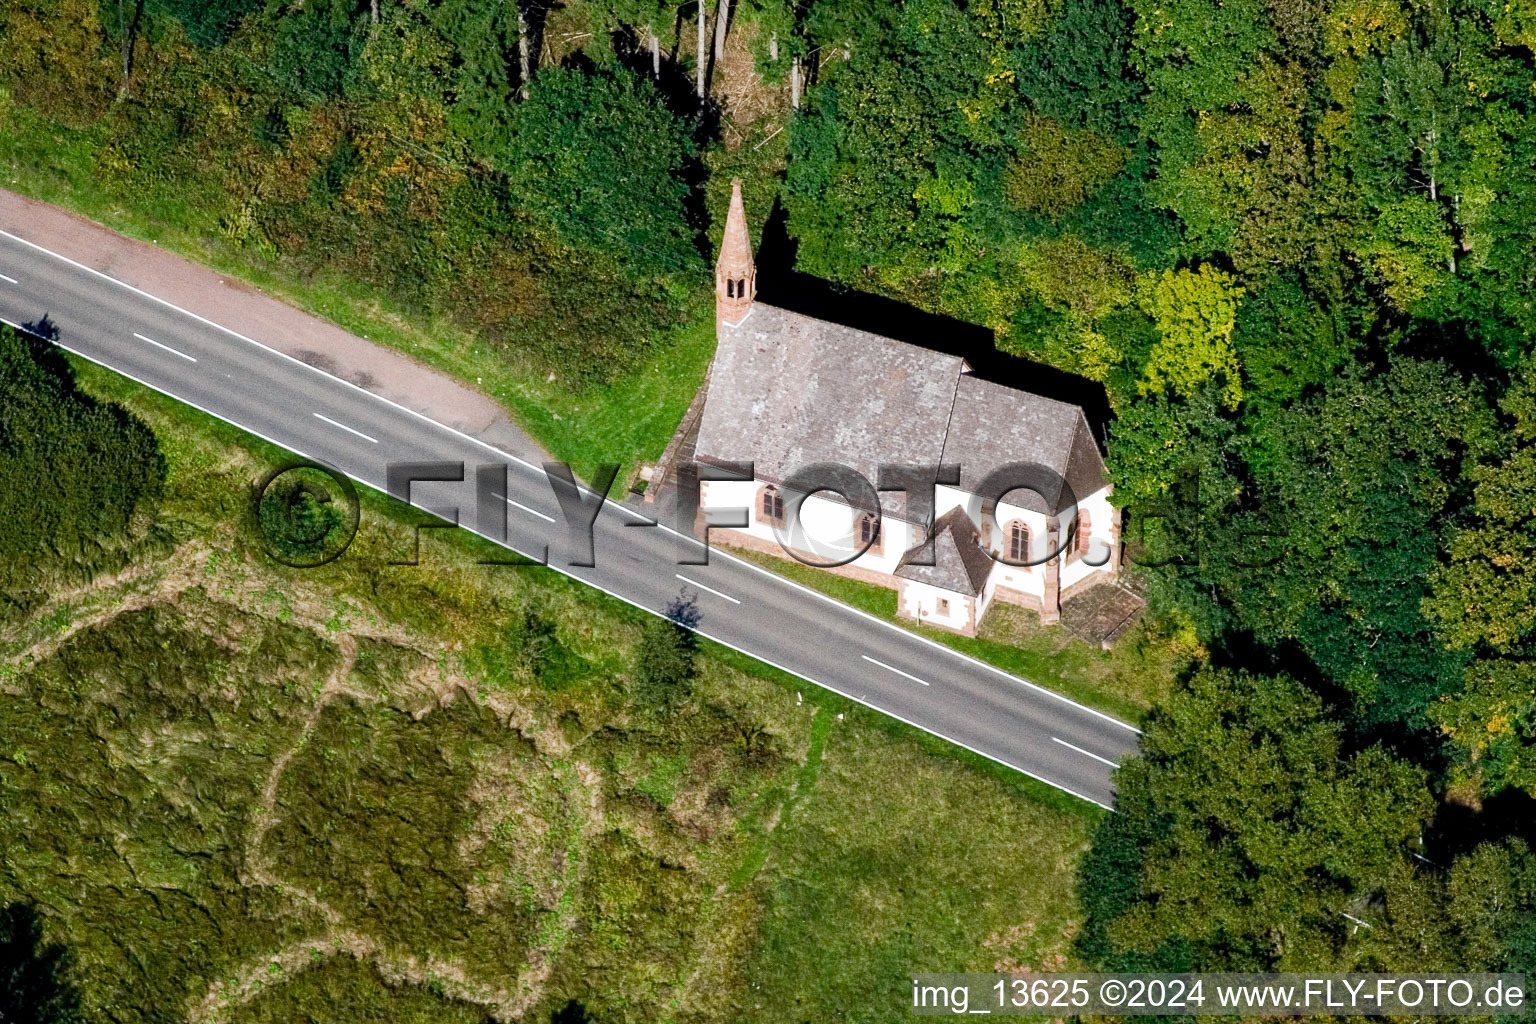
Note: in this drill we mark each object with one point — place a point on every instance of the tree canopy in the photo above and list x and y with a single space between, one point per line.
73 471
1250 806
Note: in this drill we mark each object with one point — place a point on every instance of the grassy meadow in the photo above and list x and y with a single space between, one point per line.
240 792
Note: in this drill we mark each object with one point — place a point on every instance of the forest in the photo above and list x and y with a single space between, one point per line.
1292 240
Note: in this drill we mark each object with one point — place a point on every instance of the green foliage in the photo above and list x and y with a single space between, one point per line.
107 747
345 988
1157 438
330 151
875 115
1481 598
1492 721
73 471
597 156
1075 69
1486 594
301 520
1195 315
535 652
1055 170
1288 341
207 22
1355 480
485 38
1239 845
1239 833
394 819
834 900
1410 252
56 57
665 668
315 48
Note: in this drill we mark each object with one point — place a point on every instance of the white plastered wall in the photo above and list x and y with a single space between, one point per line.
825 528
941 607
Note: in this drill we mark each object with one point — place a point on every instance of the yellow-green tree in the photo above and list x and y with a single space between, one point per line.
1195 313
1055 169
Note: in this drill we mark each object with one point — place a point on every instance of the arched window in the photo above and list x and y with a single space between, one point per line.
730 287
770 505
1018 542
867 533
741 287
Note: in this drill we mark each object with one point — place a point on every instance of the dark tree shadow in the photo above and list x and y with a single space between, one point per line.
684 610
39 337
779 284
44 328
571 1013
33 974
1458 828
535 17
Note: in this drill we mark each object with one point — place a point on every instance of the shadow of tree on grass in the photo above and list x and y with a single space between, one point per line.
33 974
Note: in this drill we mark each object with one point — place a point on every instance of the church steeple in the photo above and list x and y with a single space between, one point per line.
735 273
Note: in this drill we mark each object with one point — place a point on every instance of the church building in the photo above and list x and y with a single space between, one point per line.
787 391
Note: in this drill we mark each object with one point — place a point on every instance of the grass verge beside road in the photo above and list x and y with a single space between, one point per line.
624 422
1125 681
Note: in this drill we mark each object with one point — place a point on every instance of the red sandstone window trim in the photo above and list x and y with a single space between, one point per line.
770 505
868 528
1018 542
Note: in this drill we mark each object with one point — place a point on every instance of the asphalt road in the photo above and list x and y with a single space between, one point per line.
324 418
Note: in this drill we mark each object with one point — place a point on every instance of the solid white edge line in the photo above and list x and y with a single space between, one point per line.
168 348
618 597
9 280
638 515
903 631
343 426
1085 753
893 668
712 590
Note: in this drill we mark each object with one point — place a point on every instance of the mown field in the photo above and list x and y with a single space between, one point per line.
235 791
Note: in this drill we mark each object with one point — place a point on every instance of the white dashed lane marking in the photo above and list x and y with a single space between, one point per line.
892 668
348 429
712 590
172 351
1085 753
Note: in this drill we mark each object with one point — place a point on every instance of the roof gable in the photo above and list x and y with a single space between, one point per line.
959 564
787 391
992 425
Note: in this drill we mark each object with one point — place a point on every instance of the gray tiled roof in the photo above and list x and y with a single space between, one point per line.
993 425
788 390
959 564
